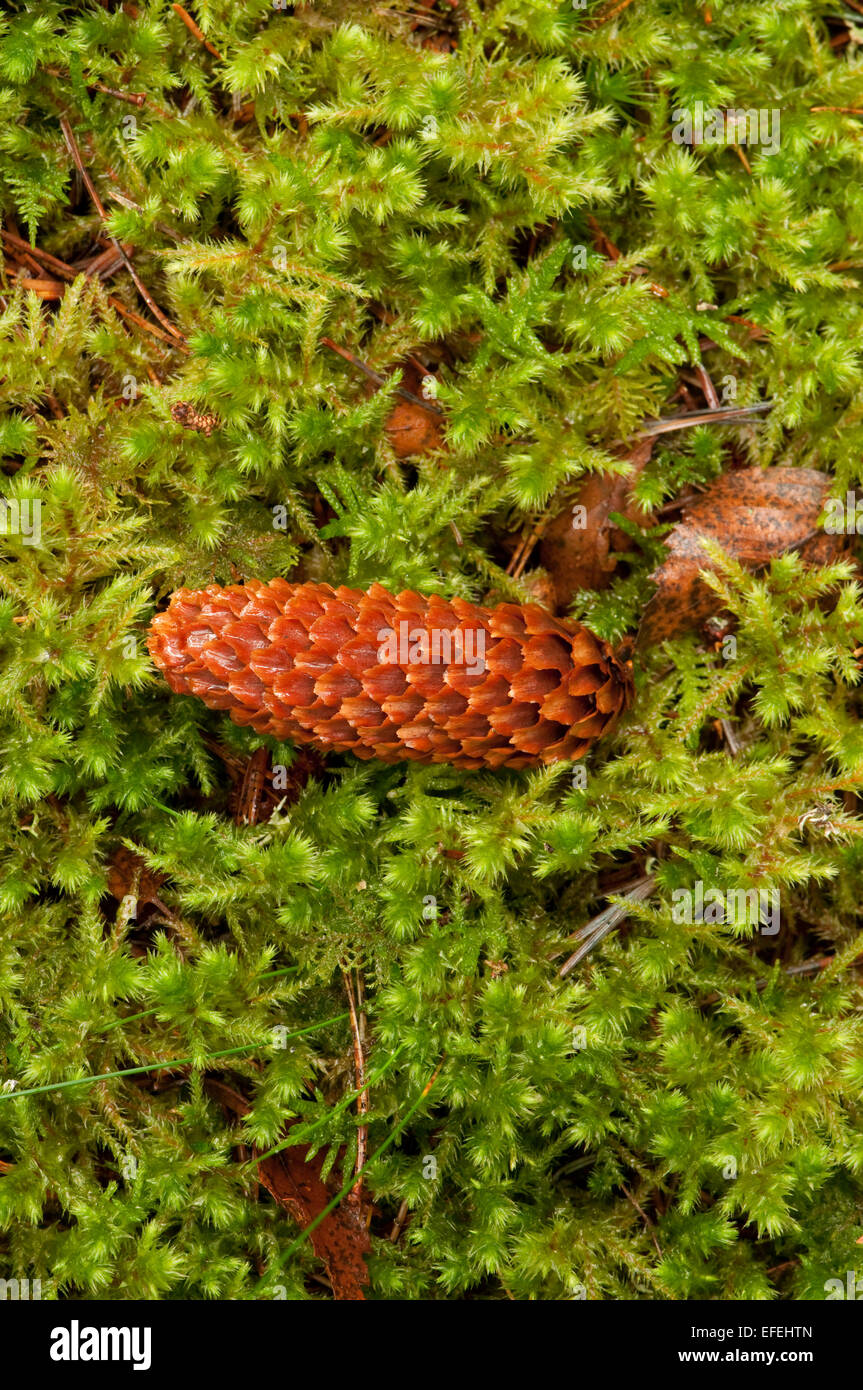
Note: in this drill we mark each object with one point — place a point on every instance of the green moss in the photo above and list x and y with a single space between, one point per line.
679 1117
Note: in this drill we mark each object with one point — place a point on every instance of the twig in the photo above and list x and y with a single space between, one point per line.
363 1097
45 289
378 377
707 387
645 1218
142 323
67 272
103 265
134 98
730 737
606 15
26 257
355 361
808 967
72 147
193 29
742 157
343 1192
720 416
516 567
125 201
399 1222
602 239
45 256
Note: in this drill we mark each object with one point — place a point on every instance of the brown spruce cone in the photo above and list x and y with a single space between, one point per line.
393 677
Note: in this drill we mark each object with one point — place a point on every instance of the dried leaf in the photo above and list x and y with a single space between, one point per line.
580 549
341 1240
123 868
755 515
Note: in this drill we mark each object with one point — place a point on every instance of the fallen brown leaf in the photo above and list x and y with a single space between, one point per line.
124 867
755 514
341 1240
580 550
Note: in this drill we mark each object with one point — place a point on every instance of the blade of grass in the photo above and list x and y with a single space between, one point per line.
331 1206
160 1066
303 1138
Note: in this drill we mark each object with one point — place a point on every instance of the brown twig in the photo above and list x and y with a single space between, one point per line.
24 258
44 256
105 262
142 323
399 1222
707 387
602 240
125 201
742 157
134 98
718 416
808 967
516 567
645 1218
378 377
606 15
68 272
193 29
251 799
45 289
72 146
363 1097
730 737
841 110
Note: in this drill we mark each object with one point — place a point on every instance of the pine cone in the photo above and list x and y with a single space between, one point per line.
392 677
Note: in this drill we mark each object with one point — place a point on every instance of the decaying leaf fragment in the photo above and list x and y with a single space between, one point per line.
581 546
755 514
129 877
341 1240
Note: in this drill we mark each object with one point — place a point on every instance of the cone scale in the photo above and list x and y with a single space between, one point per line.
393 676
